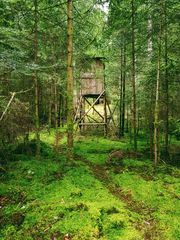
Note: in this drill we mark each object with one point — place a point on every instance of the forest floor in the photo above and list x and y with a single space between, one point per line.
45 199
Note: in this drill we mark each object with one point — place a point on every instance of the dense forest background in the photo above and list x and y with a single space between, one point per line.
45 46
139 41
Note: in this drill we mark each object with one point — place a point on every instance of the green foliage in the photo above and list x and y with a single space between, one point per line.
175 128
72 204
45 198
16 122
96 149
160 194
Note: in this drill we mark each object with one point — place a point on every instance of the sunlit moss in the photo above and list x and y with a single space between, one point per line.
56 199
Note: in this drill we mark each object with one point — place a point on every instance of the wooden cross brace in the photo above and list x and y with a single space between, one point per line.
91 107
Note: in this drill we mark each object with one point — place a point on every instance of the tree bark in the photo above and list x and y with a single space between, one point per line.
57 134
166 87
151 127
123 91
151 97
134 76
127 120
36 83
63 112
55 104
156 111
59 110
69 80
50 107
120 95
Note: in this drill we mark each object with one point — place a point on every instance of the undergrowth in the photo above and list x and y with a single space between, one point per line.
45 199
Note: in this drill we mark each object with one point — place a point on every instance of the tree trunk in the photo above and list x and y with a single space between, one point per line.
123 91
63 105
55 104
130 127
50 107
70 80
166 88
59 110
151 97
56 115
133 76
127 120
138 123
151 128
156 111
36 82
120 96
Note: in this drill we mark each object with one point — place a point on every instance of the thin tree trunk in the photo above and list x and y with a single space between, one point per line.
166 88
151 128
120 96
55 104
56 115
130 127
134 77
123 91
59 110
127 120
36 83
63 115
70 80
151 108
50 107
138 123
156 111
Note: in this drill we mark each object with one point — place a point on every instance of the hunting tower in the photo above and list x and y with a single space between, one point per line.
91 93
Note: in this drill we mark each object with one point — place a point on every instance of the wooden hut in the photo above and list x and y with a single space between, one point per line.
92 91
92 81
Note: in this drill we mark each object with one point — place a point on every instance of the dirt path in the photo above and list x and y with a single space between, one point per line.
147 225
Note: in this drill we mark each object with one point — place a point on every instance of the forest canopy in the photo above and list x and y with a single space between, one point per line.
94 83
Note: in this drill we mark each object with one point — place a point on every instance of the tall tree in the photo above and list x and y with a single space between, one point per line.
157 98
36 82
133 73
166 83
70 79
123 90
120 93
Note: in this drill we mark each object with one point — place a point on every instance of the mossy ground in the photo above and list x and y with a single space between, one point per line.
44 198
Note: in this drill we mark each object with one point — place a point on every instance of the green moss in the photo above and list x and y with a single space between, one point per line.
96 150
73 204
156 195
55 199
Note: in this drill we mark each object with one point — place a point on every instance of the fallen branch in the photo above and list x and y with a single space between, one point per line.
11 99
8 105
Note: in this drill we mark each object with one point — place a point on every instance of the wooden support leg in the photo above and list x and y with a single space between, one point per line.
83 112
111 114
105 116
